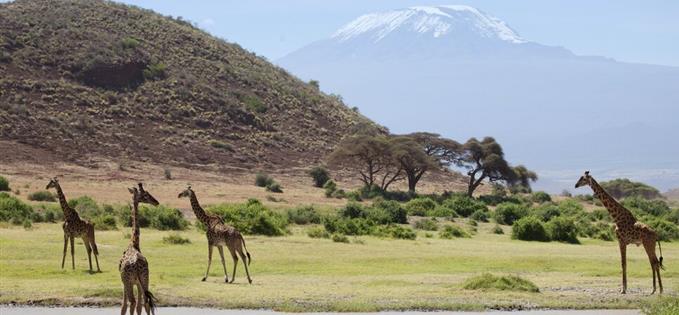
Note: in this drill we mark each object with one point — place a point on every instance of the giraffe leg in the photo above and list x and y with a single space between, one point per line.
129 293
63 259
235 263
140 299
95 250
144 289
623 260
243 257
123 309
89 253
221 254
72 238
209 260
650 251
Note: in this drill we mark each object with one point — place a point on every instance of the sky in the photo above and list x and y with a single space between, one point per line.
630 31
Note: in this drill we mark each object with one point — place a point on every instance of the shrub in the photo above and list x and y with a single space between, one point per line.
443 211
395 231
105 222
570 207
541 197
353 210
319 175
464 205
479 215
176 239
387 211
86 207
42 195
546 212
452 231
563 230
318 232
274 188
158 217
420 206
347 226
330 187
129 43
427 225
27 224
623 187
666 230
673 216
13 209
168 173
252 218
340 238
221 145
304 215
529 229
507 213
155 71
4 184
661 306
263 180
497 230
51 214
488 281
254 104
642 206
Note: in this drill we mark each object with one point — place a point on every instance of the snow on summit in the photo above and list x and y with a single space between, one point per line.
434 21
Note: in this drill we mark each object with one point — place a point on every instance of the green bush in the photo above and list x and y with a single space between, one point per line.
570 207
105 222
488 281
129 43
641 206
42 195
395 231
252 218
221 145
274 187
507 213
387 211
158 217
420 206
27 224
319 175
317 232
353 210
86 207
452 231
464 206
427 225
13 209
340 238
304 215
497 230
673 216
598 230
155 71
479 215
4 184
623 187
330 187
176 239
443 211
667 231
263 180
563 230
667 305
347 226
546 212
51 212
541 197
254 104
529 229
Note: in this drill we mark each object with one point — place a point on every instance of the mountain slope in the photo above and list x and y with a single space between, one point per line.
93 79
460 72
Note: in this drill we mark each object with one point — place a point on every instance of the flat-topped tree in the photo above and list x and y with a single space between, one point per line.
421 152
485 160
74 227
628 231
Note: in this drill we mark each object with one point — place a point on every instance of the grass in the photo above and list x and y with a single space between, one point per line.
296 272
488 281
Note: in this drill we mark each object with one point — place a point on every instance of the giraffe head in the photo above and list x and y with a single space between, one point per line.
142 196
185 193
53 183
585 180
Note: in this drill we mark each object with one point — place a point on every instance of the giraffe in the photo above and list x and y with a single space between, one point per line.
219 234
74 227
133 267
628 231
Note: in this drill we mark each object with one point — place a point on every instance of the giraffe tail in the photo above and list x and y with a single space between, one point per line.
660 260
151 300
246 250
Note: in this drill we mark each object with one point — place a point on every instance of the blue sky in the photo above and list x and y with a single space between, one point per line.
633 31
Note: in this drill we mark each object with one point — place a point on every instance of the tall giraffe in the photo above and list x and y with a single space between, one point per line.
133 267
219 234
628 230
74 227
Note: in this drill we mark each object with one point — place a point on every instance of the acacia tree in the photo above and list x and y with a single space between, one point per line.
485 160
422 151
369 156
522 179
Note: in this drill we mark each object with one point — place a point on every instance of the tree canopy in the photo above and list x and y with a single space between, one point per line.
623 187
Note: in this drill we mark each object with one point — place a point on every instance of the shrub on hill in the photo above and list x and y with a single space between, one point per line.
546 212
386 212
4 184
318 232
42 195
158 217
319 175
252 218
274 187
667 231
479 215
395 231
420 206
347 226
304 215
14 210
529 229
508 213
263 180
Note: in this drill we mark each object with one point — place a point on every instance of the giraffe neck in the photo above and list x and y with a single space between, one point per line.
134 241
197 210
69 213
615 209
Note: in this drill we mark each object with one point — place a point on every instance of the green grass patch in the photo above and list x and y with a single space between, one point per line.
489 281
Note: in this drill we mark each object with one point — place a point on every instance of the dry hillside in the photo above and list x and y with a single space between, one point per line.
82 81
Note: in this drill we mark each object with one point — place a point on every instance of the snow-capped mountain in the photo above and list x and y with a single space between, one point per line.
460 72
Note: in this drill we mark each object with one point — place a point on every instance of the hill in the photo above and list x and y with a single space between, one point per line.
86 80
461 72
